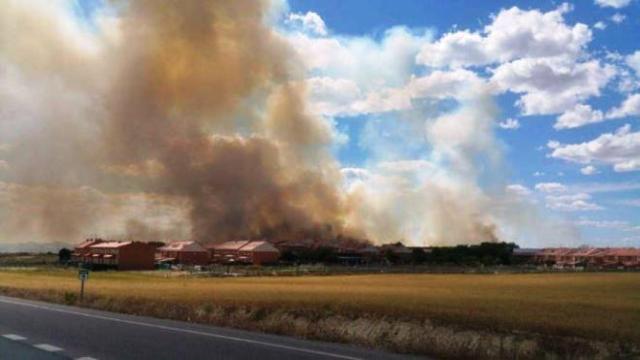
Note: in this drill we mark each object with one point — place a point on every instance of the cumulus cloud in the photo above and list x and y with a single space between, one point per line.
600 25
537 54
331 96
513 34
618 18
571 202
518 190
580 115
370 63
620 149
509 124
617 4
633 61
604 224
551 85
604 187
343 97
310 21
352 75
589 170
550 187
629 107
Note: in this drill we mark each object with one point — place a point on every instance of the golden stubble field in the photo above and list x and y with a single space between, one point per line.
603 306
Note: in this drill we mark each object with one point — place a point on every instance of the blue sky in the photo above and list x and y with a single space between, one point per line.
609 212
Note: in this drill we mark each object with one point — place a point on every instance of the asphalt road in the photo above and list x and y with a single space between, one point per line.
31 330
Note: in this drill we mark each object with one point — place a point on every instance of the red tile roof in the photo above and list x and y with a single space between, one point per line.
229 245
88 243
260 246
111 244
187 246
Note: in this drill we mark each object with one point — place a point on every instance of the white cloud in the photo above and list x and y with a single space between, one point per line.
551 187
618 18
629 107
600 25
620 149
573 202
551 85
310 21
444 84
518 190
510 124
370 63
589 170
438 85
613 3
354 171
604 224
538 173
580 115
513 33
358 74
633 61
405 166
607 187
553 144
628 165
330 96
456 49
630 202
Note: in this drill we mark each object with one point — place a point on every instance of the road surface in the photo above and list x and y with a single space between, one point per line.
31 330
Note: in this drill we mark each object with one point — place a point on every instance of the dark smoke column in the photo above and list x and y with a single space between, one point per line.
207 103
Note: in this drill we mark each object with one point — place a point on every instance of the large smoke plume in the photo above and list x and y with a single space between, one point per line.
195 99
175 119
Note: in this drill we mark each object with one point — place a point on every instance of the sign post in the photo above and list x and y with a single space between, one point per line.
83 275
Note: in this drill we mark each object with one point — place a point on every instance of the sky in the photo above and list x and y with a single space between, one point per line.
446 118
567 75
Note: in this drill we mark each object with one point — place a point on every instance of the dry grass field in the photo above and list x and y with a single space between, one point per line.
595 306
592 305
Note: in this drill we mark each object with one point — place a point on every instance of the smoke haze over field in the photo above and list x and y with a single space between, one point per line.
191 119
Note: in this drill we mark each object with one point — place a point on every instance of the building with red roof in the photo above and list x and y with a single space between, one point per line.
244 251
589 257
120 255
183 252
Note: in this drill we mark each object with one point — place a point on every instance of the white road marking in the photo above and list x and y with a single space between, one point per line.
14 337
86 358
47 347
186 331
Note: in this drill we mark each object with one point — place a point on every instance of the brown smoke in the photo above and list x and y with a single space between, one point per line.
187 118
188 72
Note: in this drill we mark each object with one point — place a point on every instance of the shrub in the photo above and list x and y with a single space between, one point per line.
70 298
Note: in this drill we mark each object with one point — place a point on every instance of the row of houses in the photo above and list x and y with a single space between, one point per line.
582 257
243 252
135 255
